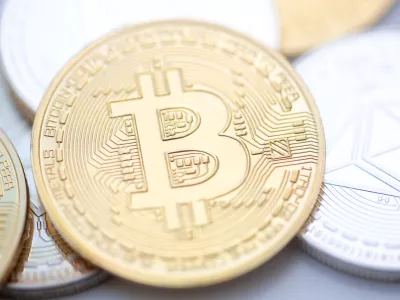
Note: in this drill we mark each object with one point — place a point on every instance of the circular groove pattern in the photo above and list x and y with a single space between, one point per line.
306 24
211 174
47 267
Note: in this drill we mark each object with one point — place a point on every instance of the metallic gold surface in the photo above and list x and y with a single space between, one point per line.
47 267
13 206
178 153
308 23
355 228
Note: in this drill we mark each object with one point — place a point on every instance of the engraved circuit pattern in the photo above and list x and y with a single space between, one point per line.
176 123
118 158
163 157
190 167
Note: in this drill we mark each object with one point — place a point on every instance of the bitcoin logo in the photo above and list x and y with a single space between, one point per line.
166 126
178 154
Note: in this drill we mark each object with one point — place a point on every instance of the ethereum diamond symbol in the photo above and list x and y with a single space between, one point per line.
366 154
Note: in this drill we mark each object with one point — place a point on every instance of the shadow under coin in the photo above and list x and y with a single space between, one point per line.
251 286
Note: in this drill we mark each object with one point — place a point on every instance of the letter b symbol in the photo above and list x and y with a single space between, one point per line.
186 156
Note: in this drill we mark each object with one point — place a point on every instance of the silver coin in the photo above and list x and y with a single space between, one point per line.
356 224
39 37
47 266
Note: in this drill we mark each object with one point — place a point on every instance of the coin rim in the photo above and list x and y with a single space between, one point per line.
103 260
20 289
335 260
10 258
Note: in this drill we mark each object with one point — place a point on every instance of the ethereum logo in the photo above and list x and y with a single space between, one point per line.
366 154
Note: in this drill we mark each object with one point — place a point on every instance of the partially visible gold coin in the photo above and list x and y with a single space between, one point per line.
47 266
13 206
178 153
308 23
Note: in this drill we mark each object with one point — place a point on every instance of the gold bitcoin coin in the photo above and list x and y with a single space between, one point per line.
178 153
308 23
13 206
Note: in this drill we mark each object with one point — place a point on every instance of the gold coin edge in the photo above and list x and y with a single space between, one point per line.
144 277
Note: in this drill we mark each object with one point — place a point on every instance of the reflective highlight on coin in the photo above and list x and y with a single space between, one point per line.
306 24
47 266
13 206
355 83
178 153
33 52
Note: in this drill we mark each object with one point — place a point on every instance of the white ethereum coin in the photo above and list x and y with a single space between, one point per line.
356 85
38 37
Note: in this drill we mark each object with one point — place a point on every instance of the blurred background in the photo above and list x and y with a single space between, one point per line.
66 26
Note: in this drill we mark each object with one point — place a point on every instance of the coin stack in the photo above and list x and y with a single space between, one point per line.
178 147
